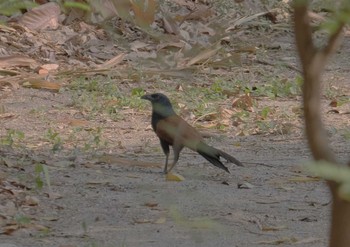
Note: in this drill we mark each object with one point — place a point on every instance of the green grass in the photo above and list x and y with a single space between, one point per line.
201 97
279 88
98 95
12 138
54 138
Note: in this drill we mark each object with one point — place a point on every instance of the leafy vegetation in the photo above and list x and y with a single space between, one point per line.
9 7
12 138
95 96
279 88
329 171
54 138
42 171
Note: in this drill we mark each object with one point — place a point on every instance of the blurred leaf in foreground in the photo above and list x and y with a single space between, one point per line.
336 173
10 7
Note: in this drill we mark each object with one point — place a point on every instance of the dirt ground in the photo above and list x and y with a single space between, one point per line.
117 195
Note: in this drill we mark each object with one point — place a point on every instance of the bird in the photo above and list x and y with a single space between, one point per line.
172 130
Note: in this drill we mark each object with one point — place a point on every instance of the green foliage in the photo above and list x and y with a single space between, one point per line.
85 227
100 96
98 85
86 139
78 5
11 137
342 100
22 220
346 134
243 114
279 88
10 7
42 170
267 126
319 5
330 25
332 172
138 92
54 138
265 112
95 140
340 15
216 87
204 99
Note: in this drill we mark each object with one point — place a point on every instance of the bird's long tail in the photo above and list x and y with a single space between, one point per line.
229 158
213 156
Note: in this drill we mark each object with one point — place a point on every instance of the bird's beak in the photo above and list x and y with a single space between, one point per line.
146 97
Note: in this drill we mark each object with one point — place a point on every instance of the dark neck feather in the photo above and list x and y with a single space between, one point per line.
160 112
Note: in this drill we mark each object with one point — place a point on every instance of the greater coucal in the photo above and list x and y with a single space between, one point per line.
173 131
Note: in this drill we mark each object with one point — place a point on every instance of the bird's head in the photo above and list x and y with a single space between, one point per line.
160 104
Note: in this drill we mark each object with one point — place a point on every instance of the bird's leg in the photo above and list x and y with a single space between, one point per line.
165 171
178 143
176 158
165 147
177 150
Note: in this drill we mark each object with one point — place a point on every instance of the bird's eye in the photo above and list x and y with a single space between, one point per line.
155 96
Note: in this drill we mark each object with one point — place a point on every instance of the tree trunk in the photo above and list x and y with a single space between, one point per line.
313 62
340 225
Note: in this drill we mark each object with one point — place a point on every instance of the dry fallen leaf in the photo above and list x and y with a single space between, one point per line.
138 45
42 84
169 24
161 220
151 204
32 201
54 195
4 72
244 102
141 221
50 66
41 17
50 218
174 177
242 20
334 103
78 122
203 56
286 240
43 72
200 14
144 11
6 28
198 10
112 62
308 240
17 61
97 182
272 228
9 229
245 185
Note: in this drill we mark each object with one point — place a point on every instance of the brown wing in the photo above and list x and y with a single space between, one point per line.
177 131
